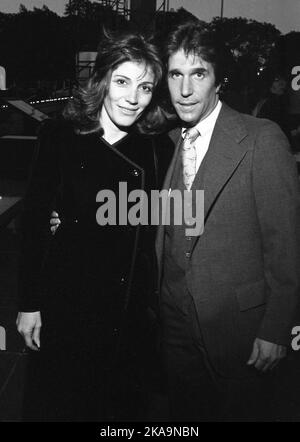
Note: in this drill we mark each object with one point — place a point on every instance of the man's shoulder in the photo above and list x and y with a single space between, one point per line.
260 123
253 126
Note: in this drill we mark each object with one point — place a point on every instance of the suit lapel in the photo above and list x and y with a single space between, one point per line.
175 135
222 159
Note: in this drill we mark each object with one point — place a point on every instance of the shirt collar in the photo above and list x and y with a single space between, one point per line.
207 125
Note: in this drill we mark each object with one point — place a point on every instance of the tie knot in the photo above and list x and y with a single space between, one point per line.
192 134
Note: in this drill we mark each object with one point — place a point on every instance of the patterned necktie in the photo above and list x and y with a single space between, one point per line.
189 157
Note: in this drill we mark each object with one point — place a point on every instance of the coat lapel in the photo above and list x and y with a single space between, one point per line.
223 157
175 135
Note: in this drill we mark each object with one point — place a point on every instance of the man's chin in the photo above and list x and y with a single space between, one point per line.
188 119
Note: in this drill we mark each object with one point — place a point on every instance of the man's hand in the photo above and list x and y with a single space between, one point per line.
29 326
54 222
266 355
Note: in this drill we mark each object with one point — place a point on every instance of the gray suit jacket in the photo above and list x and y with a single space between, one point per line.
243 272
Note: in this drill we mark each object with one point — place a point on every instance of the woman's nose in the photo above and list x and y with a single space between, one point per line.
132 96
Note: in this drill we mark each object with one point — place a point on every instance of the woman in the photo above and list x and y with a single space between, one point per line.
85 288
273 105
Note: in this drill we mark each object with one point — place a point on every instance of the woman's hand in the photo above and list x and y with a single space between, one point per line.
29 326
54 222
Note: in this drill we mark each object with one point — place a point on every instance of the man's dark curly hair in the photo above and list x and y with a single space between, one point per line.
194 37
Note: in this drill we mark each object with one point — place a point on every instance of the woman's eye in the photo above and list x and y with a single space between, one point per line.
147 89
121 81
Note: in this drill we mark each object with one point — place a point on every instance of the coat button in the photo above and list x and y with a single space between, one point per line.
188 254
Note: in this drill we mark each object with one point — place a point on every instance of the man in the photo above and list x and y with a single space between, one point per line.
227 296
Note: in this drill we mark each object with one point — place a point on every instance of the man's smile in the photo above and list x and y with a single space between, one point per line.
186 106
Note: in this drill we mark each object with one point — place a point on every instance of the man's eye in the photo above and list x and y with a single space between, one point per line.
175 75
199 75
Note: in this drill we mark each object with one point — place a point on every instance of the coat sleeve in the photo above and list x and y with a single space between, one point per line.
35 227
277 197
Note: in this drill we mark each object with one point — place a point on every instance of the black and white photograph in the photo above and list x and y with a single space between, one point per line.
149 213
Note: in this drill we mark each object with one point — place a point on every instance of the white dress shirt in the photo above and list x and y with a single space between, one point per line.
205 128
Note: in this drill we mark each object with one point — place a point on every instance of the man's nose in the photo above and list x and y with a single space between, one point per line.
186 87
132 96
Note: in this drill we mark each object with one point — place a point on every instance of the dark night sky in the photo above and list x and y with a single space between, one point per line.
284 14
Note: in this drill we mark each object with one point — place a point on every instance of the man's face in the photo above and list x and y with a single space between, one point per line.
191 82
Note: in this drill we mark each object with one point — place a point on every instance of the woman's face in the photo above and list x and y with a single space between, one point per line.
130 91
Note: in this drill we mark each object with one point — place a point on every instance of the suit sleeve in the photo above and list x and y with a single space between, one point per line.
277 197
35 227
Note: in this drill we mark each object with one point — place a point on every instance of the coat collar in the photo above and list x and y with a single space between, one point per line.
232 123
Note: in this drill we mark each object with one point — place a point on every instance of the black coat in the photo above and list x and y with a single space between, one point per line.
86 276
90 282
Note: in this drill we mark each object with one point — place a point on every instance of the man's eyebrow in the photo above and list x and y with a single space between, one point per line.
199 69
193 71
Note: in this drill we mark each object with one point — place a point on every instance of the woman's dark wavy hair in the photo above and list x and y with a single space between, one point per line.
84 109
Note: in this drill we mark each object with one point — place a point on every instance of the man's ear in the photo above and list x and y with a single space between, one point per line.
218 88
